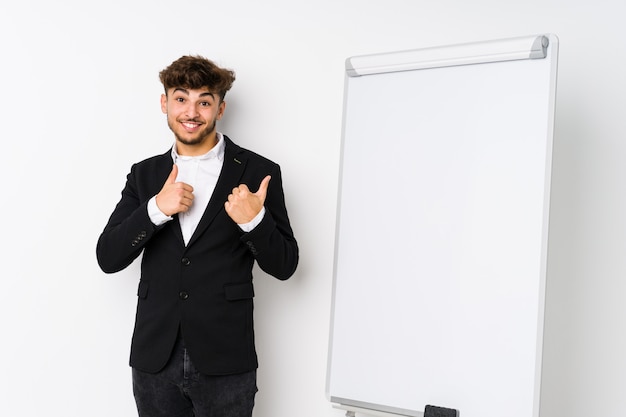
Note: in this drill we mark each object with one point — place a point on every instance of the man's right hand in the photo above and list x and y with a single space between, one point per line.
174 197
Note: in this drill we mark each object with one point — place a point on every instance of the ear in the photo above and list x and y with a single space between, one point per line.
220 111
164 103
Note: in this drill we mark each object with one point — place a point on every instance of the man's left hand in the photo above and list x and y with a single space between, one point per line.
242 205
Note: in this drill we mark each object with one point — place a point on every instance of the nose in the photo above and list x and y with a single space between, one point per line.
191 111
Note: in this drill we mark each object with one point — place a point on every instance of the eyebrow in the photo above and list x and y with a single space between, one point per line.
185 91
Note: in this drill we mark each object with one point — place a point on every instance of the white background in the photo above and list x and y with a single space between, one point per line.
79 103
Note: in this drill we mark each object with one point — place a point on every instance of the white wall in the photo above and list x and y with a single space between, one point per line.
79 103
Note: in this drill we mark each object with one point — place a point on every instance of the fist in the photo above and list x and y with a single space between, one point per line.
174 197
242 205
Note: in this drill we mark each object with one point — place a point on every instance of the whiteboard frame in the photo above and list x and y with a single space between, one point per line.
530 47
526 47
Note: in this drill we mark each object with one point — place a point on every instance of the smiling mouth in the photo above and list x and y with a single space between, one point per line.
190 125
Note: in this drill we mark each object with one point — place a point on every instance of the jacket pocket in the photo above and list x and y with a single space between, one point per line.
142 291
243 291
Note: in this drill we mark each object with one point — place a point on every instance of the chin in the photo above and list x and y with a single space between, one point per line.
190 141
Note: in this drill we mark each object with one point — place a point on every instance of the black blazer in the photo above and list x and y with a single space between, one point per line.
205 288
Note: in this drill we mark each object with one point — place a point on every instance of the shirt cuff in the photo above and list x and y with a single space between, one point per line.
156 215
247 227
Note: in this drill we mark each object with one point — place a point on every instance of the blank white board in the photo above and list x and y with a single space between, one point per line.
442 228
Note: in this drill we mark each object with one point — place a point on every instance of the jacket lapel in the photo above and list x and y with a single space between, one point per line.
232 170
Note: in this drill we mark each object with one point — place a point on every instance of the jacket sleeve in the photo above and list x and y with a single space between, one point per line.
272 242
127 231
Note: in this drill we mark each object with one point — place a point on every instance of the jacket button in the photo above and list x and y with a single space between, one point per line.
185 261
183 295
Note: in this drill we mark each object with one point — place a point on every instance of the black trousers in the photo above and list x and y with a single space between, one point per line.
179 390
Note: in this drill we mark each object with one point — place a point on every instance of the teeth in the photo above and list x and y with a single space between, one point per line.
190 125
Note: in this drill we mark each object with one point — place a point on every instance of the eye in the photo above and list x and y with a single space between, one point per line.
180 99
205 104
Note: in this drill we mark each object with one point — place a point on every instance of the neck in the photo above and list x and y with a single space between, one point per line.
184 148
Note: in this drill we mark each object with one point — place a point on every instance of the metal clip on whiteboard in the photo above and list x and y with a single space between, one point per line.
529 47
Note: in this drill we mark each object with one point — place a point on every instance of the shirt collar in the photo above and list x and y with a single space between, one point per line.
216 152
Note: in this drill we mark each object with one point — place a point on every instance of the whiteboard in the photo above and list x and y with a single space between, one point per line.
442 228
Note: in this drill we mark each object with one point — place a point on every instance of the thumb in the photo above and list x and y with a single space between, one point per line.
262 192
172 177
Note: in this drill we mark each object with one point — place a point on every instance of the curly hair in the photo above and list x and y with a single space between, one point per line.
194 72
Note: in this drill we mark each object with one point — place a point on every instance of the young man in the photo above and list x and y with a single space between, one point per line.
202 213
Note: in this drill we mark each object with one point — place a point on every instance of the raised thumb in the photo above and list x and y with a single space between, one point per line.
262 192
172 177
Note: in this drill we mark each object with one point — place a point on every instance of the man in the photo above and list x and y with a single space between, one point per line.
192 213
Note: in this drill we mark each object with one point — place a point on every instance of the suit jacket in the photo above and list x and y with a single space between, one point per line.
204 289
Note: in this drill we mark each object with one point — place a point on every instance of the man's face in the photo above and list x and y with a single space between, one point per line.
192 116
